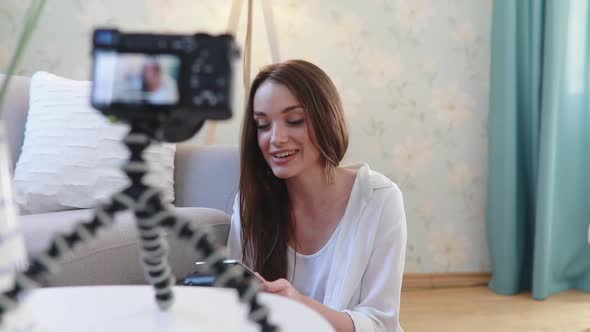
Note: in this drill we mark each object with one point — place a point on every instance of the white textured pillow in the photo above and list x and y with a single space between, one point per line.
71 155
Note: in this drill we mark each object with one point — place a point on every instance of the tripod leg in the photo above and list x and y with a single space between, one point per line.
151 214
152 243
154 250
215 254
226 277
47 262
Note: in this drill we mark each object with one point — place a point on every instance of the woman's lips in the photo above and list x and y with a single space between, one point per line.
284 160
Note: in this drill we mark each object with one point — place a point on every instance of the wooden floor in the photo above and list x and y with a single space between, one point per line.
479 309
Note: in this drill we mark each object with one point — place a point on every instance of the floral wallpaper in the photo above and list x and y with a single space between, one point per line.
413 75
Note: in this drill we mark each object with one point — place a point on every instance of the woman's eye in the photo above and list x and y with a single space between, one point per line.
262 126
296 122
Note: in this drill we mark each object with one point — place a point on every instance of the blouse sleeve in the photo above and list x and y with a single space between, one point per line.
380 291
234 239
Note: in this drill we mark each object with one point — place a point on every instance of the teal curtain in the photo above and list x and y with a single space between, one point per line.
538 199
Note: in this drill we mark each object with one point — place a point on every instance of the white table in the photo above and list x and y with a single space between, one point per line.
133 308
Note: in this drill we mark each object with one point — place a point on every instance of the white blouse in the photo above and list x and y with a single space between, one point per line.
359 270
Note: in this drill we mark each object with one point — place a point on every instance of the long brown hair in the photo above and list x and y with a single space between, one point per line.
265 208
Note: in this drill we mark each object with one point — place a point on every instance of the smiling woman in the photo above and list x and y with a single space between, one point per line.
283 135
331 237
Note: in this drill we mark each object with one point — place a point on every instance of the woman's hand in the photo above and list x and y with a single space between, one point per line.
280 287
340 320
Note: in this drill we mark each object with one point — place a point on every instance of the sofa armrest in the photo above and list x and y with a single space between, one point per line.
206 176
113 258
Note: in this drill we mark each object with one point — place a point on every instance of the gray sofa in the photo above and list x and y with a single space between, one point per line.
205 185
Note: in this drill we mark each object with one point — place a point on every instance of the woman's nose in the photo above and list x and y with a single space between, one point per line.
279 135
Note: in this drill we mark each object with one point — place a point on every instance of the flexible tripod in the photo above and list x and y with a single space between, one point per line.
151 216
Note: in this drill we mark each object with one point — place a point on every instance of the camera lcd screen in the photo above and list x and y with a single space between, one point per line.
132 78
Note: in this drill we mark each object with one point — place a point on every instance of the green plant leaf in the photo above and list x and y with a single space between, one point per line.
31 19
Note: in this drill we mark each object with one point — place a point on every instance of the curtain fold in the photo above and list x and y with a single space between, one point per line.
538 203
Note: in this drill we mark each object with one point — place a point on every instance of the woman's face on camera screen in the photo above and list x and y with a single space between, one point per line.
283 131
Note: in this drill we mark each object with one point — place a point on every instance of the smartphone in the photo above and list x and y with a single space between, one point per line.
233 262
202 278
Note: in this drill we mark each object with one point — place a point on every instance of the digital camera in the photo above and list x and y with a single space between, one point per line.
174 81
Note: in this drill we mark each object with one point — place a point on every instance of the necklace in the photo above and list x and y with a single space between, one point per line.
294 266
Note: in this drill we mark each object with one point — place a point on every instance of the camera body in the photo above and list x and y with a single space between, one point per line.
173 81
